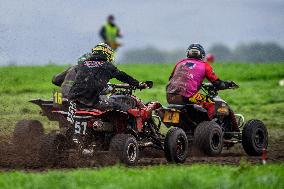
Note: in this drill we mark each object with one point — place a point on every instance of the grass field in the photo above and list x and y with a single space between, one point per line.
259 95
156 177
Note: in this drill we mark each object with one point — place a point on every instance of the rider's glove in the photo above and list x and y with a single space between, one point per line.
230 84
219 84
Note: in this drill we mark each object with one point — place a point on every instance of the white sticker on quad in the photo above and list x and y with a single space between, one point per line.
78 127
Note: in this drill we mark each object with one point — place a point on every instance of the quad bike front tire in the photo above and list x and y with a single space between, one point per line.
208 138
26 134
125 148
254 137
176 145
52 149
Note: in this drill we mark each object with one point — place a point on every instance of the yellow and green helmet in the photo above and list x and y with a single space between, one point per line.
104 51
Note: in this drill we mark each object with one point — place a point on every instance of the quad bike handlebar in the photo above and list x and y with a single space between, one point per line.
213 91
142 85
126 88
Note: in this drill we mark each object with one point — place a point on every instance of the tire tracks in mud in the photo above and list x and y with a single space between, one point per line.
12 158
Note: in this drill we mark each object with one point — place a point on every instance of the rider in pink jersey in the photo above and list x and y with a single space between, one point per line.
187 77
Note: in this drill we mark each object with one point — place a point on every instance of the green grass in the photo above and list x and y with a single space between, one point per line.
259 95
156 177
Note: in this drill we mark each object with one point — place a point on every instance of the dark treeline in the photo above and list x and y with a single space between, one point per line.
252 52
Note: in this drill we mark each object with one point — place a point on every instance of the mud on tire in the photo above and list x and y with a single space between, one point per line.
26 135
52 149
254 137
176 145
208 138
125 148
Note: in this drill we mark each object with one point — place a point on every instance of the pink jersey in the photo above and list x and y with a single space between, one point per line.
188 75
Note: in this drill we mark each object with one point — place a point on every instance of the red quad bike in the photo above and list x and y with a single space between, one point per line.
123 131
210 135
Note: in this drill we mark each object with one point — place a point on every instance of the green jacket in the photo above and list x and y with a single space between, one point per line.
109 32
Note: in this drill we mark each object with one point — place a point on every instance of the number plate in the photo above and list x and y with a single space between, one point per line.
171 117
57 98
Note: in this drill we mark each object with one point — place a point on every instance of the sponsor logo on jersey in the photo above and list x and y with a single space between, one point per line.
190 65
93 64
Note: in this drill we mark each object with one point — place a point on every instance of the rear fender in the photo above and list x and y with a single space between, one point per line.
49 103
93 112
46 108
43 104
60 112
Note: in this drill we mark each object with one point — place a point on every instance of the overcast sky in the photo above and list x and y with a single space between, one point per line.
36 31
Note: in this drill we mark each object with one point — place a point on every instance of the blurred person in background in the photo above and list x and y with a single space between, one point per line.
110 32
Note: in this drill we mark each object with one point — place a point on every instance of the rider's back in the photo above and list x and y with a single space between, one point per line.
91 79
187 77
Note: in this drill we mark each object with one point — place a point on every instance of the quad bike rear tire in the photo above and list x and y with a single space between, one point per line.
254 137
26 135
125 148
176 145
52 149
208 138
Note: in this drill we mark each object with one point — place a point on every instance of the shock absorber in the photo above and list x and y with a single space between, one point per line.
234 121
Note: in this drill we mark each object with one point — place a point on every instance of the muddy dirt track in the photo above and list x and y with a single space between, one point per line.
12 157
